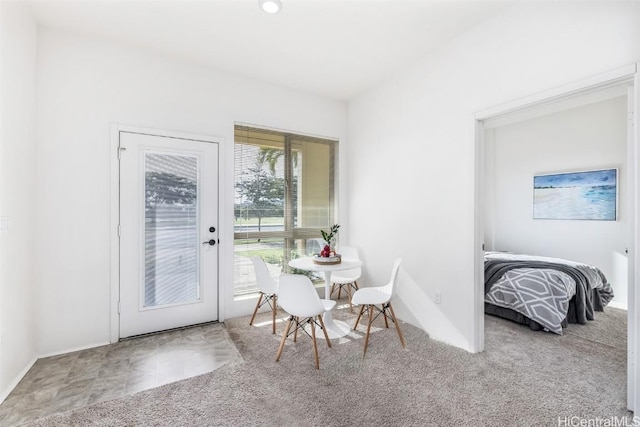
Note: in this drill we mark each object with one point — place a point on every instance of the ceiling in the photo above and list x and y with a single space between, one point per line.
333 48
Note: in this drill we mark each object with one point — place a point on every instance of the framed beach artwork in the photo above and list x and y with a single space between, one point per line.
588 195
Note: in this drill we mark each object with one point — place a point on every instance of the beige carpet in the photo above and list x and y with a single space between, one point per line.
523 378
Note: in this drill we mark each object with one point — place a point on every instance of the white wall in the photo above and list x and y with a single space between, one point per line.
17 193
85 85
589 137
411 145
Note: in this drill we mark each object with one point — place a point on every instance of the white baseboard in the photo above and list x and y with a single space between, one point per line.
616 304
16 380
71 350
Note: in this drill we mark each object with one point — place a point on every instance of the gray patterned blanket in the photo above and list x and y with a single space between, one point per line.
541 288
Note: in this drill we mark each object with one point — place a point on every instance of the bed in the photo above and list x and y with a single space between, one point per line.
541 292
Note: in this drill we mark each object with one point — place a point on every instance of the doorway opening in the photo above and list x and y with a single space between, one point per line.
619 83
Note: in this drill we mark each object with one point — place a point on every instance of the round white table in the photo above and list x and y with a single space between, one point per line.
335 328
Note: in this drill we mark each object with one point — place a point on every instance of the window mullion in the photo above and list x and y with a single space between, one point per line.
288 197
288 185
332 186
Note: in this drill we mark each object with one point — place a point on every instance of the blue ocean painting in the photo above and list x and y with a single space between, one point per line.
576 195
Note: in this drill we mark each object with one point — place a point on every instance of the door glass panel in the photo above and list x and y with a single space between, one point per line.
171 229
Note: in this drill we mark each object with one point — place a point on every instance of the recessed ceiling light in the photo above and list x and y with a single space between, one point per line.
270 6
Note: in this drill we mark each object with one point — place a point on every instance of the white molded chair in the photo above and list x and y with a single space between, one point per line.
298 297
370 298
347 278
268 290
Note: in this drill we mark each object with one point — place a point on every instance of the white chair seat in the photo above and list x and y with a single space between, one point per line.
377 295
328 304
344 277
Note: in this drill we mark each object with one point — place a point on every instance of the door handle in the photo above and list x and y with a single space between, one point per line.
210 242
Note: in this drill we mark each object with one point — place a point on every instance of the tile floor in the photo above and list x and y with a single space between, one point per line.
60 383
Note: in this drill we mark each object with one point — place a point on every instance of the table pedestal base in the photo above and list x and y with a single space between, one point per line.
335 328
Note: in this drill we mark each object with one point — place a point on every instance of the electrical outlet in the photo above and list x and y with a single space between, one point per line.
438 297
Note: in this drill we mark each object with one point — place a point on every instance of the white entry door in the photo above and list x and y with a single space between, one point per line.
168 233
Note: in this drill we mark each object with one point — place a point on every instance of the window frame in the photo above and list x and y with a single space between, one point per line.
291 234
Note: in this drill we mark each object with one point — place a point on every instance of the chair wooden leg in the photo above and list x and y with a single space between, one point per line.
315 345
256 309
349 295
274 301
324 329
284 338
355 326
393 316
339 290
333 288
355 283
366 338
295 333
